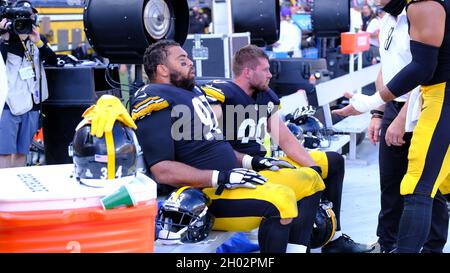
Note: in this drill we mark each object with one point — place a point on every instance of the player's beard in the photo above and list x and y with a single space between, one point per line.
260 87
183 81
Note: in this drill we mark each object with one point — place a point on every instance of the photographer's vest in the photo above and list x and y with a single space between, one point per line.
22 93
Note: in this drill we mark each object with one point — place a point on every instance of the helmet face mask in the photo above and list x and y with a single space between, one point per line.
90 155
184 217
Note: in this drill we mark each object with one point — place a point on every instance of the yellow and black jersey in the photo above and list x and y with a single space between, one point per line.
244 118
179 125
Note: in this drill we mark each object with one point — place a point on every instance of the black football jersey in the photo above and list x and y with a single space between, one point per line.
244 119
179 125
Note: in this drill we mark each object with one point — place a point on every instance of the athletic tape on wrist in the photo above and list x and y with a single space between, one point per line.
363 103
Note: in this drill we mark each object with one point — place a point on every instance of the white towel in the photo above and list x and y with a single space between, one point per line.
414 109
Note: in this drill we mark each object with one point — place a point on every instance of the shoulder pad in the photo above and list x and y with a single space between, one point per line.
146 104
213 93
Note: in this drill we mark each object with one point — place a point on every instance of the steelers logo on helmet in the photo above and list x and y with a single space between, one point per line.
184 217
324 225
90 155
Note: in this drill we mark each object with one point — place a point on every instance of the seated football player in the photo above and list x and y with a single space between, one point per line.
183 146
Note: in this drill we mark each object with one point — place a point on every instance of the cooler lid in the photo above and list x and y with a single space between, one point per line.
53 187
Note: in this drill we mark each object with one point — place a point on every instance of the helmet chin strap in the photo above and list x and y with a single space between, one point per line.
395 7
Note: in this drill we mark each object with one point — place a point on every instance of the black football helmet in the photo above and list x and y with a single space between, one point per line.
90 156
296 130
308 132
324 225
184 217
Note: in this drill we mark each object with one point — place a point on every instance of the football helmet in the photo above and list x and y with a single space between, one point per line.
90 156
184 217
324 225
314 133
296 130
302 122
309 133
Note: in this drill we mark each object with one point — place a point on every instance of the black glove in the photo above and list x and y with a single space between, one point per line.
317 169
236 178
259 163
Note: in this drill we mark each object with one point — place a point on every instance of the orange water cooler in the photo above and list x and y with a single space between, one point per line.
43 209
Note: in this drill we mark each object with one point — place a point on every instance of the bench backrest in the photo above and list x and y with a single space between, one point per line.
332 90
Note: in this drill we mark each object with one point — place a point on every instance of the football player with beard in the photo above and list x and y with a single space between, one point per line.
183 146
249 110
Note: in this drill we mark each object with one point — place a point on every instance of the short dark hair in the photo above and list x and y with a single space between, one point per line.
156 54
248 56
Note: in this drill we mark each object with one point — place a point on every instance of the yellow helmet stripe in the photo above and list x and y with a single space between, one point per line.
180 190
111 155
333 224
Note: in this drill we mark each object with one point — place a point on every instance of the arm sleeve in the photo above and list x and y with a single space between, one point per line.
418 72
154 135
47 53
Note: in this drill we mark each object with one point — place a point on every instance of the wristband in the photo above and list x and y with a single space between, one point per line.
247 162
377 112
40 44
215 179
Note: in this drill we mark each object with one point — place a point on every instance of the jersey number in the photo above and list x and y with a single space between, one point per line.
207 116
256 131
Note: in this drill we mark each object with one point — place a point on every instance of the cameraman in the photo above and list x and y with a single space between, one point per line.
24 55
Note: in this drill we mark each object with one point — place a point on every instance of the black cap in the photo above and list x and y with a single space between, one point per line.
27 4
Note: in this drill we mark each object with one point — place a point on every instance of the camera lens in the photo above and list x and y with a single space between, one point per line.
19 26
23 26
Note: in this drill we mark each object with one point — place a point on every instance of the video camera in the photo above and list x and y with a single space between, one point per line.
21 16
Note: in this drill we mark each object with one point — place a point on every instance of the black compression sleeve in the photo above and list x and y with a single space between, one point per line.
419 71
47 53
4 46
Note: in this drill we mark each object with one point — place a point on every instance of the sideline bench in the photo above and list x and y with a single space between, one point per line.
330 91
